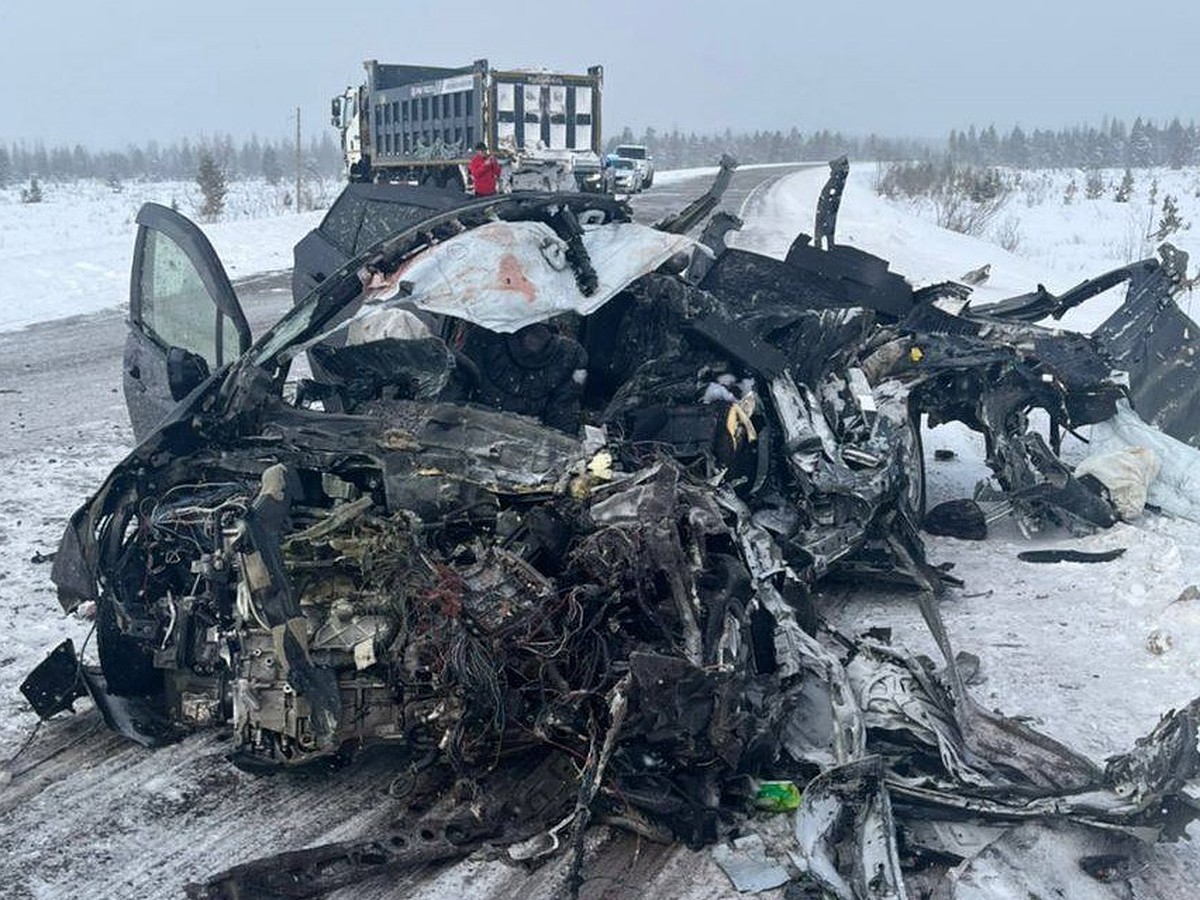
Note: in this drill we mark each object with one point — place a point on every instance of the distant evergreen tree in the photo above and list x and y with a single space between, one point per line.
1042 153
1017 150
5 166
81 161
625 137
1175 145
33 193
1141 145
989 146
1095 148
211 181
138 163
60 164
154 161
329 156
224 154
40 161
250 156
1093 186
1125 190
271 169
971 146
1191 145
185 163
1118 137
1069 192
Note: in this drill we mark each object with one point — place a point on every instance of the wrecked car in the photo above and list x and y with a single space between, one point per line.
547 517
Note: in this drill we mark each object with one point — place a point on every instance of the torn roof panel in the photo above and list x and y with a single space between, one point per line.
506 275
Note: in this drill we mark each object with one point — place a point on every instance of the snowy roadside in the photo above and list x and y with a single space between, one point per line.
70 254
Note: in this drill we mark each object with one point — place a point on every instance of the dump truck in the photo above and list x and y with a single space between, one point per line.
420 124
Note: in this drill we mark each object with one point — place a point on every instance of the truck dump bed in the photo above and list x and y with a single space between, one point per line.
419 113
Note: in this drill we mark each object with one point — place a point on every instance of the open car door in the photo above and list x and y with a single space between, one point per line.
185 321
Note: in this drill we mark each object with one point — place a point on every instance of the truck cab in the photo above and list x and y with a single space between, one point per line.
345 116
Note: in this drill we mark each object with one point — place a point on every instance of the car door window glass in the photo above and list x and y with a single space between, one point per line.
176 306
383 219
341 223
229 339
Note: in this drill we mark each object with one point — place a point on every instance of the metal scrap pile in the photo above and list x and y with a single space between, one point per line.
611 624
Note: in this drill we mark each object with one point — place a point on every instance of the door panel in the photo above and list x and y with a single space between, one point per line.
179 299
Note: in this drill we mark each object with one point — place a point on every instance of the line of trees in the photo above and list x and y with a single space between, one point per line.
675 150
253 158
1110 145
1113 144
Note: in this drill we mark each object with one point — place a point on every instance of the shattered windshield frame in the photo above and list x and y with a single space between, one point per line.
344 287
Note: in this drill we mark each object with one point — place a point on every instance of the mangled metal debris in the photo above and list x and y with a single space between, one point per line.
547 525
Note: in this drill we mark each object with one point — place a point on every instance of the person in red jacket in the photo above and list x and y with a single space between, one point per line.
484 171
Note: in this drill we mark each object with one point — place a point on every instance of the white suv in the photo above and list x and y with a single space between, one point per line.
641 158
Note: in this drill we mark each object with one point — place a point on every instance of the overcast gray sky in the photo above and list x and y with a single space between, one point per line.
106 74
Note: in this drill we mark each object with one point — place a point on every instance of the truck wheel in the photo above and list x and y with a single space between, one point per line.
360 172
649 180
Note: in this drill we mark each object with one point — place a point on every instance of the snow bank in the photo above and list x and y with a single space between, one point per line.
71 253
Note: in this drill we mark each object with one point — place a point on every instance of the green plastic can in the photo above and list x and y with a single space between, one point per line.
777 796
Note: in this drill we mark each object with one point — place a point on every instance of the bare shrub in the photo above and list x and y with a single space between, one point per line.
964 199
908 180
1036 190
1008 234
1170 221
969 199
1134 243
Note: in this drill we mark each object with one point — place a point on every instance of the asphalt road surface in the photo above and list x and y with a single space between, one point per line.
87 813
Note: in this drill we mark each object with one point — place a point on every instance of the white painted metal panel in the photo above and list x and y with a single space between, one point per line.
506 275
533 99
505 97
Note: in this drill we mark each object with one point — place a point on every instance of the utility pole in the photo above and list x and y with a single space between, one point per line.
298 209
